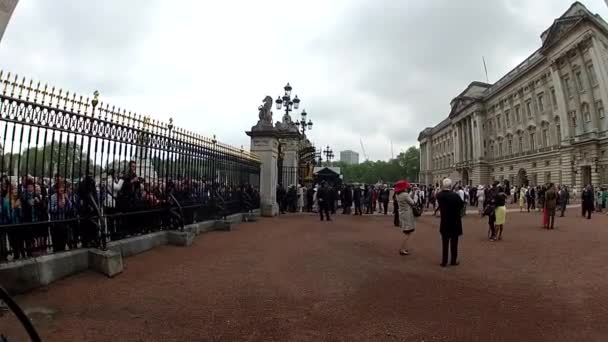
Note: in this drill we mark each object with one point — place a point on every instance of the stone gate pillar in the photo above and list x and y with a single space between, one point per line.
265 145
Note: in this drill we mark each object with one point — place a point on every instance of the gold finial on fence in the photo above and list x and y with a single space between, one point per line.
66 100
73 101
36 91
106 111
51 96
21 86
79 104
59 98
86 106
13 85
29 89
45 93
170 126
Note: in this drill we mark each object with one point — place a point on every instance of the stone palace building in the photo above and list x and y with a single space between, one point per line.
544 121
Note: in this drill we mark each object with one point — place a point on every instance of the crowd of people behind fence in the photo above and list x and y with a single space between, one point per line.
40 215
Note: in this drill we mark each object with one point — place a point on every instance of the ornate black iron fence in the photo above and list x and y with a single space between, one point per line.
75 172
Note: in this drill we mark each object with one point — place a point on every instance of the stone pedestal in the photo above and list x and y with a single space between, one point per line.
265 145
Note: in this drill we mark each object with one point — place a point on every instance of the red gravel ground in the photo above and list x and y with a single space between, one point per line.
293 278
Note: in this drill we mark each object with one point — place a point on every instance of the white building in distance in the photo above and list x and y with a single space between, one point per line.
349 157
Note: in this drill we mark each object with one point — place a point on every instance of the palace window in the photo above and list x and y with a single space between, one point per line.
510 146
500 149
547 163
573 118
517 113
600 109
558 133
529 108
545 137
553 98
532 145
586 114
541 103
521 143
568 86
508 118
579 81
592 75
498 121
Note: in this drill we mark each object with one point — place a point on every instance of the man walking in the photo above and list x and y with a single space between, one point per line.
587 198
450 207
550 206
357 194
324 197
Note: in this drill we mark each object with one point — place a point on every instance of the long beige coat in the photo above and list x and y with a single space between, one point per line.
407 220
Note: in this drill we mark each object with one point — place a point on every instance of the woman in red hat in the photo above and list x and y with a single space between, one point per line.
407 222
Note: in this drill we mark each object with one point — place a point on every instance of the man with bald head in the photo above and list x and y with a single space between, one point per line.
450 207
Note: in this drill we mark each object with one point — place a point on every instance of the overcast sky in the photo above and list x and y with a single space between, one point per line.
375 70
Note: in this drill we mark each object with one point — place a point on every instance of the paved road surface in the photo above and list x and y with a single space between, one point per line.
296 279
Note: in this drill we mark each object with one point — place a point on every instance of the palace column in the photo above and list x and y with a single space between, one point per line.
562 106
456 139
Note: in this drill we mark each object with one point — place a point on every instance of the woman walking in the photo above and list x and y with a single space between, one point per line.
522 198
407 222
500 212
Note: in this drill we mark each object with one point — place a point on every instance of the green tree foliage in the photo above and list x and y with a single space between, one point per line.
405 166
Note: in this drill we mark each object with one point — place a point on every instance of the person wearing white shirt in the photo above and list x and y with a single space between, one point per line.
460 193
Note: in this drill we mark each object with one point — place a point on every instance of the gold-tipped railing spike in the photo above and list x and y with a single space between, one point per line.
29 89
66 99
79 103
86 106
73 102
36 91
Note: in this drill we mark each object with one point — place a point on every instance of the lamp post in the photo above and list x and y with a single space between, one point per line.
329 154
287 102
302 124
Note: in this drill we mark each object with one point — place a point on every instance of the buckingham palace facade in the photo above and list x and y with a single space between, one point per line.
544 121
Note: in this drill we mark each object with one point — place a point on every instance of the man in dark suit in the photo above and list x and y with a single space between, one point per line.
324 197
450 206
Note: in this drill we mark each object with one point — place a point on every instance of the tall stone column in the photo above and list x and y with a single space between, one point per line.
265 145
471 139
456 139
562 108
601 73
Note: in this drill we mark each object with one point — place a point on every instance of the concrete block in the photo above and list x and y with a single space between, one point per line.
139 244
183 239
269 210
19 276
223 226
234 218
105 262
248 217
194 228
53 267
206 226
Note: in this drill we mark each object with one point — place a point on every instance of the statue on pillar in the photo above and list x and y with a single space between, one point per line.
265 115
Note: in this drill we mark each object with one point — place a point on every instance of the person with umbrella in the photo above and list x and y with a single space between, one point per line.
407 223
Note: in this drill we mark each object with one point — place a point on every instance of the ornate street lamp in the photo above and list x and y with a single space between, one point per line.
302 124
286 101
329 154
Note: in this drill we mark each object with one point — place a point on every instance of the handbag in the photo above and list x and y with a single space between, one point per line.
417 210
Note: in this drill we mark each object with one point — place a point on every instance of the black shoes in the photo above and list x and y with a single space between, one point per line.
451 264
